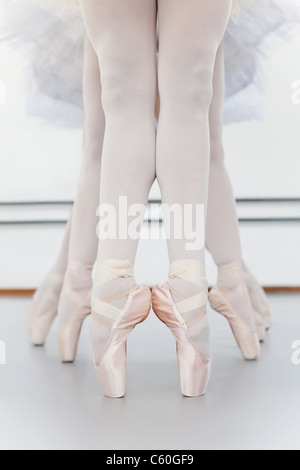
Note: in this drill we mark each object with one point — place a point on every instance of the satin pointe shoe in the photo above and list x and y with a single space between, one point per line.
114 316
224 298
50 288
74 307
259 298
258 311
260 323
44 308
181 305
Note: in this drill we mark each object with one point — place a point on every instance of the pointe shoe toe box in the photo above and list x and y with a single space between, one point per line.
110 342
194 368
246 337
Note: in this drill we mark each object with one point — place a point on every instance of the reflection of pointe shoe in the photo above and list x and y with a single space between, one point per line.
259 298
44 308
267 312
111 326
188 322
32 314
74 307
245 335
261 330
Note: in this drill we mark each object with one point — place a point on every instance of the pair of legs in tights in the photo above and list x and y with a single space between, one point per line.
73 268
130 159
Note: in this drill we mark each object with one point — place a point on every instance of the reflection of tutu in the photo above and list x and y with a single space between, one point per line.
250 42
72 5
54 41
237 5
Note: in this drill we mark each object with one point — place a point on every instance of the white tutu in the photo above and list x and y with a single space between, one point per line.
59 5
53 37
52 40
250 43
237 5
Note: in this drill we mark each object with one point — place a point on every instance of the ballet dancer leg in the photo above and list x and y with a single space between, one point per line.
124 36
74 300
231 296
46 297
190 34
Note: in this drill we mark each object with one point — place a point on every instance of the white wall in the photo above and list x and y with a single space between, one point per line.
27 252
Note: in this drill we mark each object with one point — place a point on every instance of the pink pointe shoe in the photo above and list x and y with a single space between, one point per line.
74 307
188 323
232 290
44 308
111 326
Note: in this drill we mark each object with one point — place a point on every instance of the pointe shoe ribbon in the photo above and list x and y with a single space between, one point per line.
193 274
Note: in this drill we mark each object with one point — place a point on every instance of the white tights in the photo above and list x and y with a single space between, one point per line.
223 237
83 240
129 92
222 234
182 95
190 34
80 242
124 37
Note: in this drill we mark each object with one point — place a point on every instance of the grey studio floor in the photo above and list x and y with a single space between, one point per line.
47 406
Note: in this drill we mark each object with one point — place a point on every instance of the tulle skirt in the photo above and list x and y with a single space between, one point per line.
71 5
237 5
53 36
250 43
